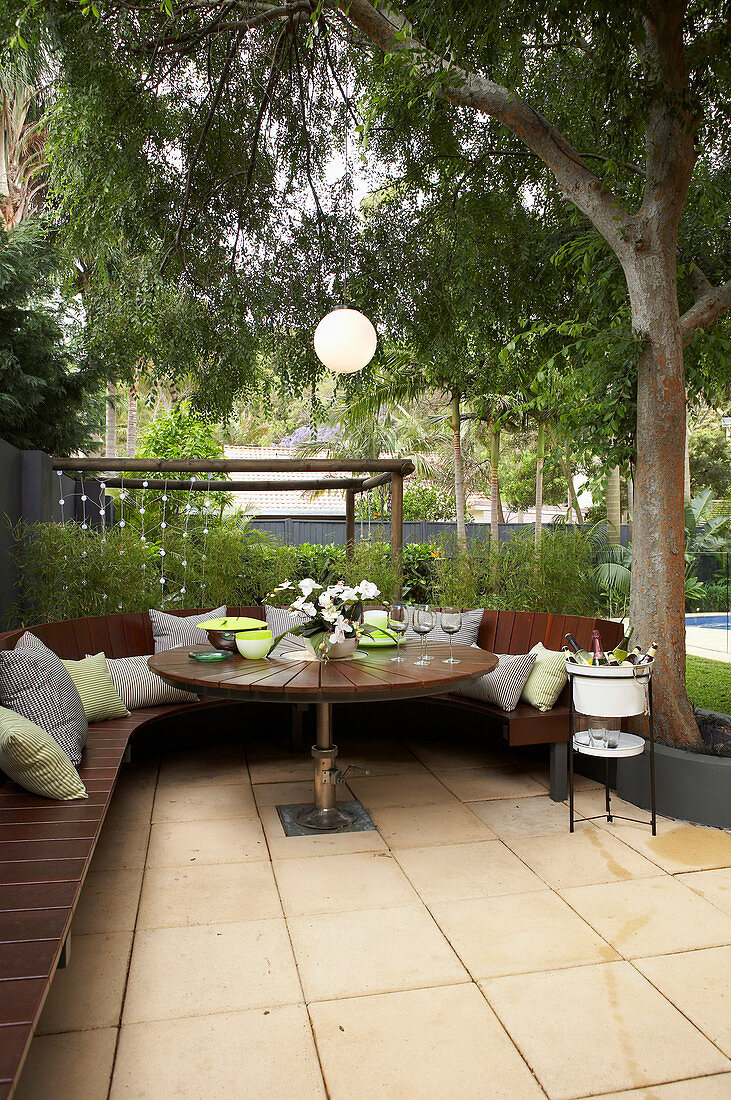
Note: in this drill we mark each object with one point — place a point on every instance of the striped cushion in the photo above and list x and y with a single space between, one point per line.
280 619
502 686
138 686
94 685
547 680
172 630
35 683
33 759
466 635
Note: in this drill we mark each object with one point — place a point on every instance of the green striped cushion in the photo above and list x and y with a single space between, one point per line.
94 684
547 678
31 757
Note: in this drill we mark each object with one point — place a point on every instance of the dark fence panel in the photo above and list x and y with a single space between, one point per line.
293 531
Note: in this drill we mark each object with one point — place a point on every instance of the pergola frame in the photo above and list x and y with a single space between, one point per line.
380 471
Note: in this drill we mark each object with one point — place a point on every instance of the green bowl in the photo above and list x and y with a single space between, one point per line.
254 644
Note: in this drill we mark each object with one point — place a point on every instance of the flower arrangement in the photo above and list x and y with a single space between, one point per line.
334 611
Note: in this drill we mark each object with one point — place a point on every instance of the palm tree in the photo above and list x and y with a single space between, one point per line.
22 142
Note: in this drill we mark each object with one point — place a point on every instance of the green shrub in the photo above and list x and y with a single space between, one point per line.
68 573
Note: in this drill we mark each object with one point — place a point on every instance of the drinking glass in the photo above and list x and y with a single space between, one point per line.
451 622
398 618
423 623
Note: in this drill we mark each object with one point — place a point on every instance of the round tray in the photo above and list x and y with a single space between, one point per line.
629 745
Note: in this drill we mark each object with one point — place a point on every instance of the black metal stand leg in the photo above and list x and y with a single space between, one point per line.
606 789
652 759
559 772
325 815
570 751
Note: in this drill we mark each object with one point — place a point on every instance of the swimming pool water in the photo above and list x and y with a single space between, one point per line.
718 621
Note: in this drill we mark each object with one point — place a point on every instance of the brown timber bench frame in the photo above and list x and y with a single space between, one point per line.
46 847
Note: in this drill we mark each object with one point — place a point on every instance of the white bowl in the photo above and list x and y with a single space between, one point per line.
254 644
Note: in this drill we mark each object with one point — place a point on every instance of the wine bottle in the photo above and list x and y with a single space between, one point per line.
568 655
649 657
622 649
581 656
598 657
633 656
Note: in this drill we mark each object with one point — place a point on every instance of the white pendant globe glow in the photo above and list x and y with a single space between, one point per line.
345 341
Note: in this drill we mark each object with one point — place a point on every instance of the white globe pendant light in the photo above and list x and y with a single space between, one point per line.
345 341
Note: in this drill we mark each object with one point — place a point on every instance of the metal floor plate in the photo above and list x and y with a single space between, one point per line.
288 817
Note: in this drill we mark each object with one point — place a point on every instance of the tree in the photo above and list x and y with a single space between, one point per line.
22 141
44 393
710 461
636 82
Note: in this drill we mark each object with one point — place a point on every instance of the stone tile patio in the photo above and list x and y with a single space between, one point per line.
471 948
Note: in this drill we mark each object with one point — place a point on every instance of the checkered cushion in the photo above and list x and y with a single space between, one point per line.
35 683
170 631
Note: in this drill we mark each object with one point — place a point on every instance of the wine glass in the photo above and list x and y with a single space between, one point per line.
423 623
451 622
398 617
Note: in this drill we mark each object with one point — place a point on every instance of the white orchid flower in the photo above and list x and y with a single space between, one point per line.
285 584
325 599
338 635
308 586
368 590
303 605
329 614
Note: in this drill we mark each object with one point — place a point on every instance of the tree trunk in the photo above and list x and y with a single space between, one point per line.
630 506
540 459
494 487
568 474
500 513
614 510
110 447
132 420
455 421
657 601
686 470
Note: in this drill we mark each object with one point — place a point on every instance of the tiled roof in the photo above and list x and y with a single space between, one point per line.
287 502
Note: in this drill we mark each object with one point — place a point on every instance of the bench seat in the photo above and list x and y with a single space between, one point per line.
46 846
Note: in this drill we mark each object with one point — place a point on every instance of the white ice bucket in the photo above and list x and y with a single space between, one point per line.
609 691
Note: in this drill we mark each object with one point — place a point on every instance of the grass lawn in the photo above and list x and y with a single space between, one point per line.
709 683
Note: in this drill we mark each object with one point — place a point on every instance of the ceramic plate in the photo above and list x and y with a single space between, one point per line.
376 641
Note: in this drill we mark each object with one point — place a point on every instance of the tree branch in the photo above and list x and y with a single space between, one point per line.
711 302
393 34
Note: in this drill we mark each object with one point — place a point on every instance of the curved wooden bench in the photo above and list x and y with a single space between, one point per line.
46 847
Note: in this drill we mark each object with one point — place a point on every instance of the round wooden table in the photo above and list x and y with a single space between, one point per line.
369 675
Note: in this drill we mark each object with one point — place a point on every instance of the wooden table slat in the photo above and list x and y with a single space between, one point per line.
372 677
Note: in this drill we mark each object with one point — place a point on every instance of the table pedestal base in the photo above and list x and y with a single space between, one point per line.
325 816
325 819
